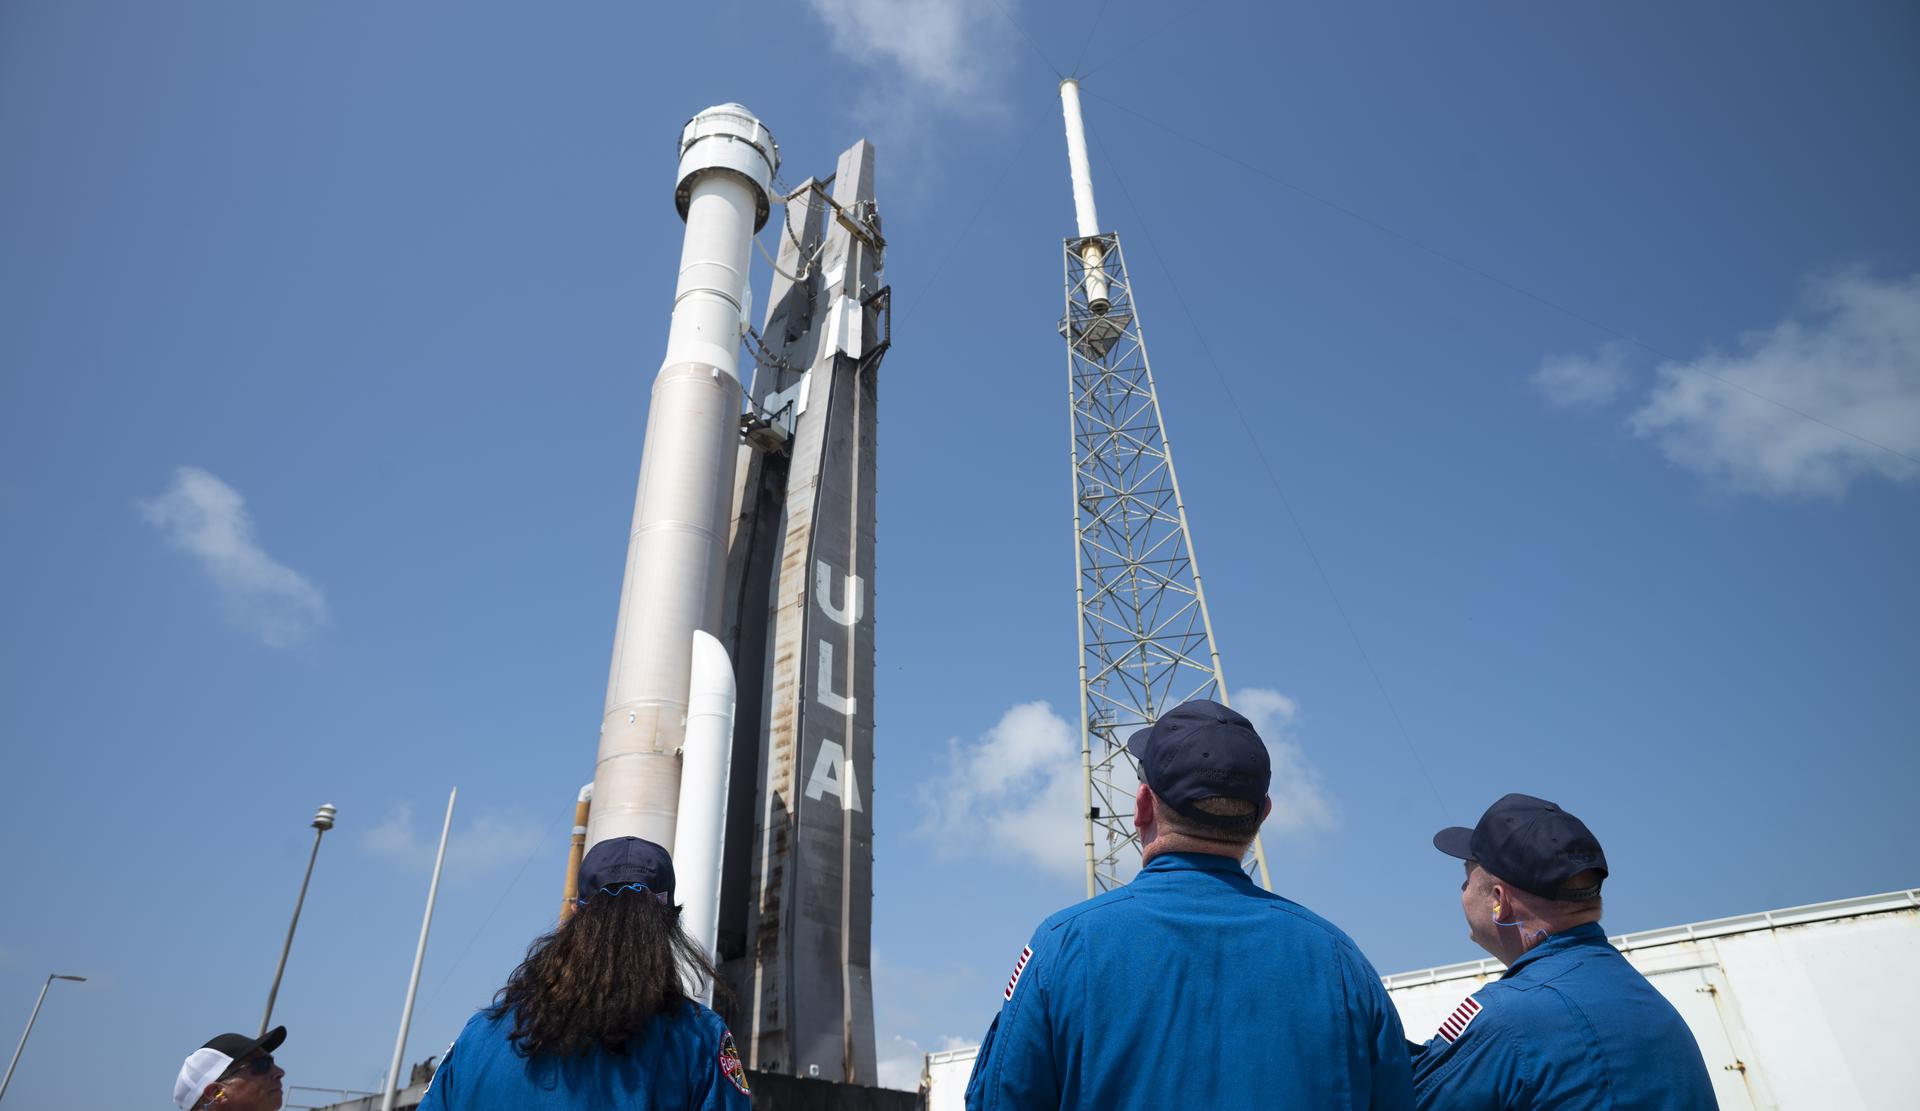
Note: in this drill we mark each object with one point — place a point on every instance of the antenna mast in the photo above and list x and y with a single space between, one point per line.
1146 640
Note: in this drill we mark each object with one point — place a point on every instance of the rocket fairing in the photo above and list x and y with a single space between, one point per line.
677 552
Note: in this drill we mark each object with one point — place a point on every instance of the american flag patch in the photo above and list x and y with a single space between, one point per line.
1456 1023
1019 966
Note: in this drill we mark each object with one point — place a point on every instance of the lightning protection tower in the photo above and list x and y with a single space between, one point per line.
1146 640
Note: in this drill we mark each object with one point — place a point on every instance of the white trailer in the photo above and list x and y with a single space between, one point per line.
1813 1008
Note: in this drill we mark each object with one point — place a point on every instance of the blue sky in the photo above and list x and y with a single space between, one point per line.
390 283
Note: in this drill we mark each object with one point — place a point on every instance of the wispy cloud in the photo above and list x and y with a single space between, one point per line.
902 1059
1852 359
1016 790
1571 381
485 844
208 519
1018 785
933 44
900 1062
1805 408
1300 802
922 57
916 1006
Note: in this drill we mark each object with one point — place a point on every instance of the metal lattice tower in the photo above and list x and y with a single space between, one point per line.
1146 640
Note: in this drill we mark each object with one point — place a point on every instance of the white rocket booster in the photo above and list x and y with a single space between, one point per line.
677 552
1086 217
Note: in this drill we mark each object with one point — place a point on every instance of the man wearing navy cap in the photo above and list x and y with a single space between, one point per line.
1570 1024
1190 986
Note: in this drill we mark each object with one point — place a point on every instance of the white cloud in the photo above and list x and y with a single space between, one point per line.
922 61
900 1062
912 1002
1570 381
485 844
1300 803
1852 360
941 48
208 519
1018 787
1017 792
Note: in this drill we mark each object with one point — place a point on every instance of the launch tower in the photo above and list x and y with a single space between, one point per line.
1146 639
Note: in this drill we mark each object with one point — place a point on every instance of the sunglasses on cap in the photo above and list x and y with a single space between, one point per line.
253 1066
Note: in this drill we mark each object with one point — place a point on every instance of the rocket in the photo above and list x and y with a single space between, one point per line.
671 686
739 721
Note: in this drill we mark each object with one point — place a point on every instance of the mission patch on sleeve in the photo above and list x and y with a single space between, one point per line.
730 1062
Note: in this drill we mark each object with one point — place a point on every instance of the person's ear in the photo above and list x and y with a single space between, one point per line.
1266 808
1143 801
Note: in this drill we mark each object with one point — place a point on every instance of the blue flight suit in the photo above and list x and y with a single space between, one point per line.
1570 1025
683 1060
1191 988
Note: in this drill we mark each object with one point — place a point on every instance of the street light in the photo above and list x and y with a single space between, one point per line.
51 977
322 822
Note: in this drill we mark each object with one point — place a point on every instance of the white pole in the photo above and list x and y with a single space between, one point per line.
419 956
705 766
1086 216
676 553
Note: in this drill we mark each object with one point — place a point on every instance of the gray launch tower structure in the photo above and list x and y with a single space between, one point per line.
1146 638
796 896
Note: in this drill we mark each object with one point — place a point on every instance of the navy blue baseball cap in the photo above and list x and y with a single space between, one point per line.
619 861
1203 750
1530 843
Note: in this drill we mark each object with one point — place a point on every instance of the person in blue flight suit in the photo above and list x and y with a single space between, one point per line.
1190 987
597 1016
1570 1025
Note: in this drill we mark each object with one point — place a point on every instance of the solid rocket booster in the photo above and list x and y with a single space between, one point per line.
677 552
700 830
1086 217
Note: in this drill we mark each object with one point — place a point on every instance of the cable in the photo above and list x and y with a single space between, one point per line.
498 903
1181 14
1503 283
1038 53
1273 476
1091 28
968 226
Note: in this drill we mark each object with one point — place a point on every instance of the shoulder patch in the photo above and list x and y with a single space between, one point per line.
730 1066
1457 1022
1019 966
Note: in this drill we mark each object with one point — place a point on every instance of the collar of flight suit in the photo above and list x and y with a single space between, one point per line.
1565 940
1191 862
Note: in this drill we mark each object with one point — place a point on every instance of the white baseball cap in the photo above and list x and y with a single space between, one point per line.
211 1061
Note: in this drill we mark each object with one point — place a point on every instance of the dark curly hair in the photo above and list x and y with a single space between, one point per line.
595 980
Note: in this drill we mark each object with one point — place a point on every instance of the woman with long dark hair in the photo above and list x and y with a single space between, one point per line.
599 1014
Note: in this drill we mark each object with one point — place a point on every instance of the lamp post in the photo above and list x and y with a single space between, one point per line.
51 977
322 822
